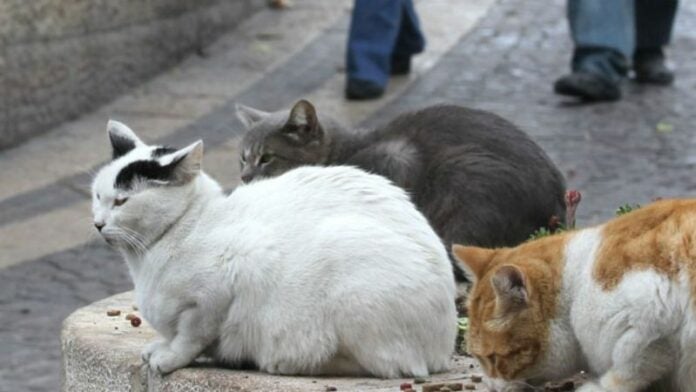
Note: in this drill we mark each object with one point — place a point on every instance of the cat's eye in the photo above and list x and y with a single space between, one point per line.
265 158
119 201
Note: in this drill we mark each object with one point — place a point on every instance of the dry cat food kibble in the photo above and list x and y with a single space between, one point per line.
476 378
560 387
405 386
470 387
130 316
437 387
279 4
135 321
113 312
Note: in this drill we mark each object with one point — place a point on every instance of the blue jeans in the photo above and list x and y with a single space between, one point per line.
381 31
607 33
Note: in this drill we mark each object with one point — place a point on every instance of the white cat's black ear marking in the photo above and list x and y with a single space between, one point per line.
303 123
510 289
175 168
122 138
188 161
248 115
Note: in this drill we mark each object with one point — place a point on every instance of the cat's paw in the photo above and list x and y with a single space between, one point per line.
151 347
164 360
591 387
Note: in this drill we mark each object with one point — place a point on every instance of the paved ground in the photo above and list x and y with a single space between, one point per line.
631 151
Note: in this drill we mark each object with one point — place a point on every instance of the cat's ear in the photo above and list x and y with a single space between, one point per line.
510 290
473 260
248 115
303 123
122 138
184 164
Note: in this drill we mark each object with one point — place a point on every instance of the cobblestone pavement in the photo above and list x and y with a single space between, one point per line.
625 152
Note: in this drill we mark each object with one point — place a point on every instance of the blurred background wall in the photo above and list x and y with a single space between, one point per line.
61 58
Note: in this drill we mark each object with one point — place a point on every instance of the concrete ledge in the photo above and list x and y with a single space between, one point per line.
102 353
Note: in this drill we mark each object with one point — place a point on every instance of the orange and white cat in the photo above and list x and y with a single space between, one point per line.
617 300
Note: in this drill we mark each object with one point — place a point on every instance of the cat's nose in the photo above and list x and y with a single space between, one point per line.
247 177
99 226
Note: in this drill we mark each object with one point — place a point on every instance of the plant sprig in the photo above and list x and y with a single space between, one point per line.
626 208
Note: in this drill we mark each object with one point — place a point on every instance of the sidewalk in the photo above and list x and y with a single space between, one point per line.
625 152
51 261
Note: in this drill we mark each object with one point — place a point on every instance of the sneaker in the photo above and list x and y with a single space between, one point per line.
649 66
588 86
357 89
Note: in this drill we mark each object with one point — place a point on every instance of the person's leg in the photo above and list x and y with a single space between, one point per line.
374 27
604 36
654 21
409 42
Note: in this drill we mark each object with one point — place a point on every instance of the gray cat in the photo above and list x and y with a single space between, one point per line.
477 178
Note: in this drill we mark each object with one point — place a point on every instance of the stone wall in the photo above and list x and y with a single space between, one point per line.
61 58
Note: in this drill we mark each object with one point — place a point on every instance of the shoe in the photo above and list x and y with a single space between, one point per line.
649 66
588 86
400 65
357 89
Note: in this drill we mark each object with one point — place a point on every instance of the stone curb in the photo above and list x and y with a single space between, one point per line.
102 353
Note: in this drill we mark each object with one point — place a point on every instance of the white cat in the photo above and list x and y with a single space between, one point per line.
318 271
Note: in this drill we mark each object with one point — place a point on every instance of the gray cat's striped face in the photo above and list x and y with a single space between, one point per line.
281 141
136 194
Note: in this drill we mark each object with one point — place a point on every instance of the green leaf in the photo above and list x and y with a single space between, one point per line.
664 127
626 208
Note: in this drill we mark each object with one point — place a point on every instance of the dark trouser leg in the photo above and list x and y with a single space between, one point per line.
374 27
654 21
410 40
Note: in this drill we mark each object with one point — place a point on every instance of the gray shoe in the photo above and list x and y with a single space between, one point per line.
588 86
649 66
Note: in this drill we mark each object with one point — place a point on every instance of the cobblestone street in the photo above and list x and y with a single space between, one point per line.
504 60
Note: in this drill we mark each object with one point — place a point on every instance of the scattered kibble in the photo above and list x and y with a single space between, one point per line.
437 387
476 378
130 316
135 307
113 312
279 4
135 321
560 387
471 366
330 389
419 380
470 387
405 386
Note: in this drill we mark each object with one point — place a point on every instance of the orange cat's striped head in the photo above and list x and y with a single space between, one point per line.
510 305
